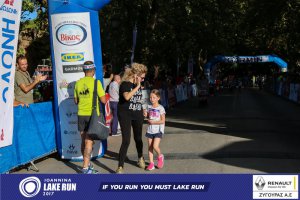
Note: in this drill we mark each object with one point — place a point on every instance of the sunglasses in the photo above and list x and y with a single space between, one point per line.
142 77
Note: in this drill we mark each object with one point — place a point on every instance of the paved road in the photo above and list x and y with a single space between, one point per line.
247 131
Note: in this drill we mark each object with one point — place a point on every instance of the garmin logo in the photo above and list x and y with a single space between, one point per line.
71 34
72 68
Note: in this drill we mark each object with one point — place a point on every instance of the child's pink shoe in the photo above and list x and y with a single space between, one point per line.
150 167
160 161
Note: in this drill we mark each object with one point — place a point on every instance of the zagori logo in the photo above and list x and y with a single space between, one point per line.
29 187
71 34
9 2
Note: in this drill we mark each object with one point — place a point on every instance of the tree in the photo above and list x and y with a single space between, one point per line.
35 40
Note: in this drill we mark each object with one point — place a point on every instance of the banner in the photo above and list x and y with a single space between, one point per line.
245 59
75 35
148 187
71 43
10 13
29 142
134 35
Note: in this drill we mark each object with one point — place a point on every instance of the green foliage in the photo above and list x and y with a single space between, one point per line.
35 31
177 29
172 29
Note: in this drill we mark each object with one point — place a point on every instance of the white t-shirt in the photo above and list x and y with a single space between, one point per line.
155 115
106 82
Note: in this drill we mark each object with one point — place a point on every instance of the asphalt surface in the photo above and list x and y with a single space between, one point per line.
246 131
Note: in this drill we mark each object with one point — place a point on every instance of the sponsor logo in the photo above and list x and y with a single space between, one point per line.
72 57
52 185
9 2
71 149
72 68
64 84
70 114
30 187
70 132
69 96
2 135
8 51
260 183
7 7
71 34
275 187
73 122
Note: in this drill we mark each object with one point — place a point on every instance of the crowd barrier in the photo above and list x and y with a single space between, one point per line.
33 136
170 96
34 129
287 90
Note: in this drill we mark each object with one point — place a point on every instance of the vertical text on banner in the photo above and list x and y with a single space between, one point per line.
10 13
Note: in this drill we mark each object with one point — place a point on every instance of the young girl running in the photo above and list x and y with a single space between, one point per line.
156 119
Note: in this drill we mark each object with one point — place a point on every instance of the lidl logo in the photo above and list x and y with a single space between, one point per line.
72 57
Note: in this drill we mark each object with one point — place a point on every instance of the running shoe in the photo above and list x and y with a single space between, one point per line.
160 161
150 167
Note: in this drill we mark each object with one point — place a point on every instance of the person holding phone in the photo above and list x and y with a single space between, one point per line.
24 84
130 113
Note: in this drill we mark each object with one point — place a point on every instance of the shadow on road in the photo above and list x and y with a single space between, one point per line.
269 124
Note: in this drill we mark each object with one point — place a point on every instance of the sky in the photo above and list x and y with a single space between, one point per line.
30 15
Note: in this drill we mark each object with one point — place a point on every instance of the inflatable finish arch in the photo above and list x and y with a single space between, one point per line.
245 59
75 38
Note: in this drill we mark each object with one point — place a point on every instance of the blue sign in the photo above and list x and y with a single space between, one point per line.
149 187
246 59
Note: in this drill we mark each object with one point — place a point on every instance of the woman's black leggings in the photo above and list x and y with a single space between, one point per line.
126 122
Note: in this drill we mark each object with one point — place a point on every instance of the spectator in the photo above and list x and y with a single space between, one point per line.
17 103
114 99
125 69
23 82
83 97
130 113
107 76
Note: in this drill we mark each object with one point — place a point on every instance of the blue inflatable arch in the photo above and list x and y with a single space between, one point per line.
245 59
